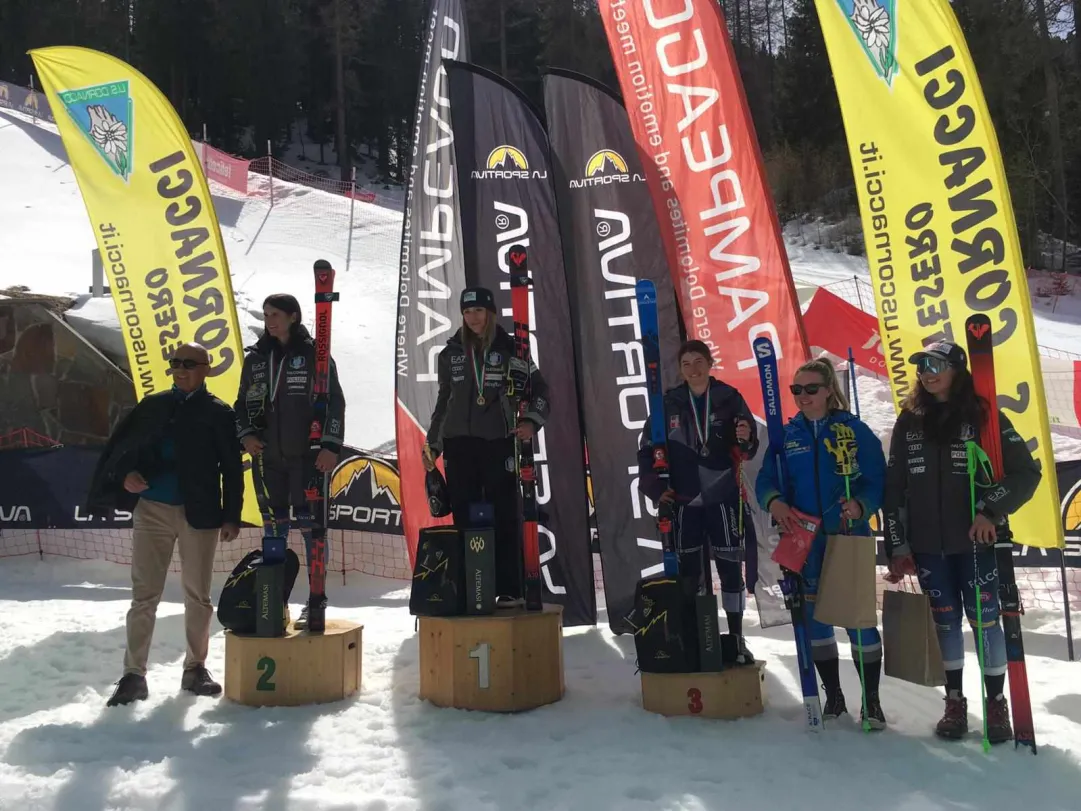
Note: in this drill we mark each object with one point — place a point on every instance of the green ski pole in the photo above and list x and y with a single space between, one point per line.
970 448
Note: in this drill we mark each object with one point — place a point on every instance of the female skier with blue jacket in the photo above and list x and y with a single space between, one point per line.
810 481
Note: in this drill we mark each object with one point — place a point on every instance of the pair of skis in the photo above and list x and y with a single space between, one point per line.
316 490
979 336
792 583
527 478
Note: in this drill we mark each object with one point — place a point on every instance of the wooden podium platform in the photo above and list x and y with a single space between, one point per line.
503 662
295 669
736 692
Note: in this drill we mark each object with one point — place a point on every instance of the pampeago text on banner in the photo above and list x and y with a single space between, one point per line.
691 121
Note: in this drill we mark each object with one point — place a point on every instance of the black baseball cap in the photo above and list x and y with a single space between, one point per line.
477 297
943 350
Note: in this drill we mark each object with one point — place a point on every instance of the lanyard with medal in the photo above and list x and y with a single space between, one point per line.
480 375
701 429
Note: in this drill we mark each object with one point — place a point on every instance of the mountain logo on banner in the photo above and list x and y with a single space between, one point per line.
605 166
366 494
1071 509
875 23
507 157
507 162
604 158
105 115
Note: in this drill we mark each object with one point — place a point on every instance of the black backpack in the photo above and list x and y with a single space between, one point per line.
666 631
438 588
236 606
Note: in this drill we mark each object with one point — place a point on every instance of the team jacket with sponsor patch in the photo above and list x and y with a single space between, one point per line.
928 505
276 396
698 479
457 412
812 478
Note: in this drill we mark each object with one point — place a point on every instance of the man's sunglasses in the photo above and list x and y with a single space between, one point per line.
931 366
187 363
811 388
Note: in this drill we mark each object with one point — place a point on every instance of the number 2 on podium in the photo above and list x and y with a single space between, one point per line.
482 653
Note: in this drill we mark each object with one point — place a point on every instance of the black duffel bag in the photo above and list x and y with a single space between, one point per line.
236 605
666 631
438 588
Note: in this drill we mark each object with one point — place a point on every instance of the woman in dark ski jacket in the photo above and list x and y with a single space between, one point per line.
709 434
929 524
274 416
474 425
809 481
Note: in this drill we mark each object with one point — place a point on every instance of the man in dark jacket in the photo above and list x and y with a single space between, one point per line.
709 435
175 463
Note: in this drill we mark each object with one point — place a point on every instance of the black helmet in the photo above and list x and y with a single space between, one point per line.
438 498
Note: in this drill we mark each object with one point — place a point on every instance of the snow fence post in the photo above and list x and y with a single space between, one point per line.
352 205
97 279
270 170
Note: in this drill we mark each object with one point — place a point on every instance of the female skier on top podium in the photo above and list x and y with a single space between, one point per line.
474 424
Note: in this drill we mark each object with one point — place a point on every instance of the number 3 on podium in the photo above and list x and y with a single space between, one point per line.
482 653
695 702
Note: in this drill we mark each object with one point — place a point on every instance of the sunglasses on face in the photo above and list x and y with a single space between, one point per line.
932 366
811 388
187 363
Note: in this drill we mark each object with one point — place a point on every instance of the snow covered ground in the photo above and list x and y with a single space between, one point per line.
384 750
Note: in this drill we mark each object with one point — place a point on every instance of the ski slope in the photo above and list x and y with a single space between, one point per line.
272 248
384 750
48 241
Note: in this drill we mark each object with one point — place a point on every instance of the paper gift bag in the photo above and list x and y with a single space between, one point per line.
846 588
909 639
793 547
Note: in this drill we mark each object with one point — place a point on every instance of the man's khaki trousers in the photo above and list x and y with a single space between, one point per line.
157 528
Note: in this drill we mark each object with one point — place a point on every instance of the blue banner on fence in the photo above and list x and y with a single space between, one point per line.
45 488
25 101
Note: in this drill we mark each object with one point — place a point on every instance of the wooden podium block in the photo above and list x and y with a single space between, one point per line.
295 669
736 692
503 662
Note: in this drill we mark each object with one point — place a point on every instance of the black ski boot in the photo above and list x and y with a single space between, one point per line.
999 729
875 718
131 687
829 672
835 705
734 650
954 723
302 621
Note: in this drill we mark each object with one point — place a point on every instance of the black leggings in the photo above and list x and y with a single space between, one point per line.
483 470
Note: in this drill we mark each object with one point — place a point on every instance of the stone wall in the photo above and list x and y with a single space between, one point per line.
53 382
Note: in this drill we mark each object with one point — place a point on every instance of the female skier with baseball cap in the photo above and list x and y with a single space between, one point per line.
474 425
931 495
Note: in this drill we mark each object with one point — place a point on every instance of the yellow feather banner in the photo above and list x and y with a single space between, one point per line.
937 218
153 219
